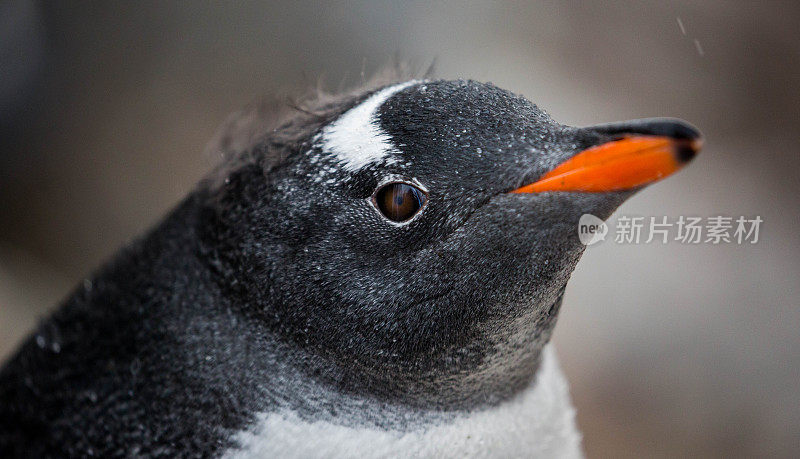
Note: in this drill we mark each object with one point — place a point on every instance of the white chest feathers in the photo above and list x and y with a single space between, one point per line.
536 423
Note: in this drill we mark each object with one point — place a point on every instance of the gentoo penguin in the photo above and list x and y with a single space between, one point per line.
378 276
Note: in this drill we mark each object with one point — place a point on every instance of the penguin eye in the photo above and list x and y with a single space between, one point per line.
399 202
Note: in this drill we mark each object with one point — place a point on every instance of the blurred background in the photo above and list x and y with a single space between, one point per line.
671 349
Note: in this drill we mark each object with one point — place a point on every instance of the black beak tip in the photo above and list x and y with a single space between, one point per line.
688 138
686 151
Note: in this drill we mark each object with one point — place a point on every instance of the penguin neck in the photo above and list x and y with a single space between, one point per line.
539 422
509 366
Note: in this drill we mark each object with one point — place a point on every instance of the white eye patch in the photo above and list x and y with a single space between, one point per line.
356 139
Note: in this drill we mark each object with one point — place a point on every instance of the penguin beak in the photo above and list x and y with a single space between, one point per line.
642 152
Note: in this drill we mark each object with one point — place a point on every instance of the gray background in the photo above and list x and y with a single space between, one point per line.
671 349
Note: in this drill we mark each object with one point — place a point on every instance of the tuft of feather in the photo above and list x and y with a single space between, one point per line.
266 131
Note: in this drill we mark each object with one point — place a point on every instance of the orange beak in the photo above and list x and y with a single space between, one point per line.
621 164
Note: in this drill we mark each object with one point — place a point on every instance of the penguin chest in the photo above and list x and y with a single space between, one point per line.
536 423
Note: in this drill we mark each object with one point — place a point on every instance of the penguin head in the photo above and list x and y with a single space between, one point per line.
421 236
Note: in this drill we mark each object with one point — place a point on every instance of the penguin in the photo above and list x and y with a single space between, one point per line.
377 276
